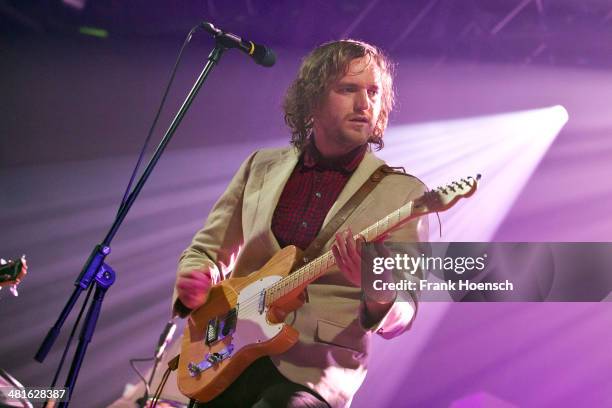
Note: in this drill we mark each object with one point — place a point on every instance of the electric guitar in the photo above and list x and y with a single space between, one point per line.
237 324
12 272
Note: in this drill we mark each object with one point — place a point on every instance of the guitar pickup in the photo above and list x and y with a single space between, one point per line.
212 331
220 327
229 323
262 301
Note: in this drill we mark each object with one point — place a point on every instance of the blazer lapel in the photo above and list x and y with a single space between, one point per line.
275 178
362 172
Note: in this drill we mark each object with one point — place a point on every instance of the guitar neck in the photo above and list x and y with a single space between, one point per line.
302 277
437 200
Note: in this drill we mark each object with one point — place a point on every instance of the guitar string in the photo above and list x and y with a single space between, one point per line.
249 303
252 304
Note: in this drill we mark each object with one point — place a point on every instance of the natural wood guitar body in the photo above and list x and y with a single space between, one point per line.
259 334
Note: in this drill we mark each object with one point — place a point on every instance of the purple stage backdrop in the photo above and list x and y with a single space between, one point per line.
519 91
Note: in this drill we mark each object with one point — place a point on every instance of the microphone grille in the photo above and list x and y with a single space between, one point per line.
264 56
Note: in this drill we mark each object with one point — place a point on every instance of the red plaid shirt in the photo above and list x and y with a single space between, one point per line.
310 192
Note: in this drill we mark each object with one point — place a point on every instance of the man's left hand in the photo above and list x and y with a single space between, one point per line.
347 252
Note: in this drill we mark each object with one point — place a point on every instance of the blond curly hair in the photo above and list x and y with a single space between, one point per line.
321 69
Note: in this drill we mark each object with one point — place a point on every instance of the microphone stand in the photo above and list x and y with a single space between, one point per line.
95 268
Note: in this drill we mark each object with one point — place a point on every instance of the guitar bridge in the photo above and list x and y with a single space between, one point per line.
210 360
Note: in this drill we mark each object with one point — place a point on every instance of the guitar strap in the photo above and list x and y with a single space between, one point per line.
341 216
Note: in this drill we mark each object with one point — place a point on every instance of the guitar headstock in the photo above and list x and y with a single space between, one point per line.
12 272
444 197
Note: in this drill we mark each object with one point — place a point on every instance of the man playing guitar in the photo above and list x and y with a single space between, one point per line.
337 107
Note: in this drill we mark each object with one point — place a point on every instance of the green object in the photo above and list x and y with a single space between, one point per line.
94 32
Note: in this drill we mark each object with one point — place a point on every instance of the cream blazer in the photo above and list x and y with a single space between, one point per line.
331 356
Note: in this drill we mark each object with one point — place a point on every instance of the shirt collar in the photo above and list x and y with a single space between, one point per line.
312 158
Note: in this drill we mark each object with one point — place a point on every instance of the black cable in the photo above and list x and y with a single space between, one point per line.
133 177
144 381
155 364
135 172
123 201
160 387
159 109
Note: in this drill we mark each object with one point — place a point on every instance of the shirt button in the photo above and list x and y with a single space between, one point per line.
304 224
318 194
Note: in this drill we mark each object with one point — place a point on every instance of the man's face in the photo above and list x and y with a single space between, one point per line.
346 116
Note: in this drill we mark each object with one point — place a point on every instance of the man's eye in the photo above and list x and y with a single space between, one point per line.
373 92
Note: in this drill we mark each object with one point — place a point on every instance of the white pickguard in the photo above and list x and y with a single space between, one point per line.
252 326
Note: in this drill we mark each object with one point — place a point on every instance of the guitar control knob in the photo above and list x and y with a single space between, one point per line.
193 369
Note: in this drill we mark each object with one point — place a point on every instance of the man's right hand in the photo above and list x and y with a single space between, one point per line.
192 287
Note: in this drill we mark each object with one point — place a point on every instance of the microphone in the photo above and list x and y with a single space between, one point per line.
260 53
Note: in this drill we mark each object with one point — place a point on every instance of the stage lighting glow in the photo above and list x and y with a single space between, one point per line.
94 32
504 148
76 4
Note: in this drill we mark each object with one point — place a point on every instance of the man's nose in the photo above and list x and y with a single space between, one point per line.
362 102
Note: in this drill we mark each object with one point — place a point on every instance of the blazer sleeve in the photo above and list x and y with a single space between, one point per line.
401 315
221 236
